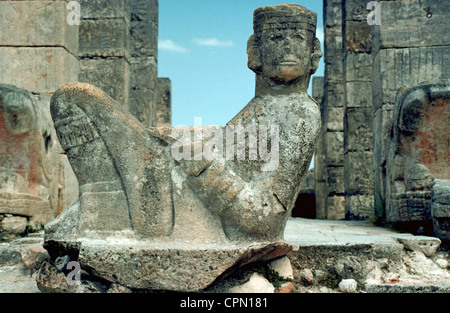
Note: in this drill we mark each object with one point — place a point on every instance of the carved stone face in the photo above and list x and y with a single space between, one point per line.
285 54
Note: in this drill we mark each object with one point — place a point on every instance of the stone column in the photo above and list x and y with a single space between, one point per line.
410 46
105 46
333 108
358 175
164 103
144 55
319 154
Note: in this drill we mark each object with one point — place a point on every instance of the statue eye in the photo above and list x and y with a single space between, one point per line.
298 36
276 37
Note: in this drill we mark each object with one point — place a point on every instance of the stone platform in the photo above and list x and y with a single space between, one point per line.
379 259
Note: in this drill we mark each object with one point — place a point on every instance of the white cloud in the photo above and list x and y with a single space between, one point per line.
213 42
320 34
169 45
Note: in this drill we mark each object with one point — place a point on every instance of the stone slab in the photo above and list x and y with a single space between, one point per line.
358 95
412 24
358 37
41 23
105 9
111 75
334 143
39 70
358 67
394 68
142 105
143 72
358 130
104 38
170 266
335 119
144 39
144 10
358 172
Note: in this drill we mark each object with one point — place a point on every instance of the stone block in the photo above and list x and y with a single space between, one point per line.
105 9
441 195
358 172
334 95
335 119
334 71
143 72
164 103
412 24
333 13
111 75
334 148
39 70
319 160
37 23
144 10
358 129
336 208
33 255
423 244
358 67
333 42
321 212
394 68
335 180
355 10
144 39
359 207
104 38
359 95
142 105
409 206
358 37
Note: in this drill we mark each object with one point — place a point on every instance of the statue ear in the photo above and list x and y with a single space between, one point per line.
316 55
254 61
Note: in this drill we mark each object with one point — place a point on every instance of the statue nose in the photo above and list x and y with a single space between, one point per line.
287 47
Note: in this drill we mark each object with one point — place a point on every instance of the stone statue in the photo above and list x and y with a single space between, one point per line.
418 166
30 167
186 206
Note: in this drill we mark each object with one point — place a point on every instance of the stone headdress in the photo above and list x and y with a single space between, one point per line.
284 16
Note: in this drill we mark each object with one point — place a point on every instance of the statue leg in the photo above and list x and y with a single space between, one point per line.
115 161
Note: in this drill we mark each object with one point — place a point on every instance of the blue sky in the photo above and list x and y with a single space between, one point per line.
202 49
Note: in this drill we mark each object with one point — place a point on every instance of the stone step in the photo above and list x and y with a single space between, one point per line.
407 288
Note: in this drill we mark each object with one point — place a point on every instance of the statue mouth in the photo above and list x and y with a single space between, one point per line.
289 63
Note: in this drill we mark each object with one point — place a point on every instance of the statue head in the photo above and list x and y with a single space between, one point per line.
284 47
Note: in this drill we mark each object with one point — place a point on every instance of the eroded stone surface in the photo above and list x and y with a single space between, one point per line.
31 173
418 156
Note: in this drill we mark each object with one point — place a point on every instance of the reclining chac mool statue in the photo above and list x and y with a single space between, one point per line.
149 185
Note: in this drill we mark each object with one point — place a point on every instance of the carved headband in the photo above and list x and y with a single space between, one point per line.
284 16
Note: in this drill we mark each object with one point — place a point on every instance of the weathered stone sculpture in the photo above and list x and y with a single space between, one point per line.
167 212
29 163
418 168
